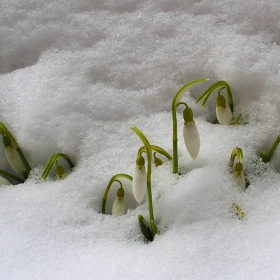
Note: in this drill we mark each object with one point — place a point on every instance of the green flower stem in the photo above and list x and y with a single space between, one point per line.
236 152
51 162
156 149
6 132
267 157
113 179
208 92
175 101
149 177
12 176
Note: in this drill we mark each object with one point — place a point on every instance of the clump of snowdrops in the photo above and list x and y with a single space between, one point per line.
141 179
20 165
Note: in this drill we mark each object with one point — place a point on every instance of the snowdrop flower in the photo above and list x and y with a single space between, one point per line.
4 181
239 175
139 182
13 156
60 173
118 208
191 135
223 112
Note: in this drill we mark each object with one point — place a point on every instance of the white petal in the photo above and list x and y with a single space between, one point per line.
4 181
14 159
139 183
118 208
192 140
224 115
240 180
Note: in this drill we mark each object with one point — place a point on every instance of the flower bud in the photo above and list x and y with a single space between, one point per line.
192 139
118 208
60 173
239 175
139 181
14 158
223 112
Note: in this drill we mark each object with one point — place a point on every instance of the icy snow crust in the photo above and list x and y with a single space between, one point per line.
76 75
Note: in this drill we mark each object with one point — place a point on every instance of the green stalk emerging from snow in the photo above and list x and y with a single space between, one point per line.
175 102
146 143
267 157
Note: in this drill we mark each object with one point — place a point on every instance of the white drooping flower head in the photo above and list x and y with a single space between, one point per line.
239 175
4 181
14 159
139 182
118 208
191 134
223 112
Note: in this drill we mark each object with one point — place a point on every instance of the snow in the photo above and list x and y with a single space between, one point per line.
76 75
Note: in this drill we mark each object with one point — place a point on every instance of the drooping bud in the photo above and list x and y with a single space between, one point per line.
118 208
139 181
223 112
190 133
60 173
239 175
13 156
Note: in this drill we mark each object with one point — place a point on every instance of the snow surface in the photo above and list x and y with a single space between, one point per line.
76 75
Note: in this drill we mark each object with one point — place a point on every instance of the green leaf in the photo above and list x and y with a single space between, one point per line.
145 229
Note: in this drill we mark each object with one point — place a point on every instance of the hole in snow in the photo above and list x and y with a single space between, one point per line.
17 59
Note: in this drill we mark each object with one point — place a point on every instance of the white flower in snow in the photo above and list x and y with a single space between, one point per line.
223 112
239 175
4 181
191 135
118 208
139 182
14 159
